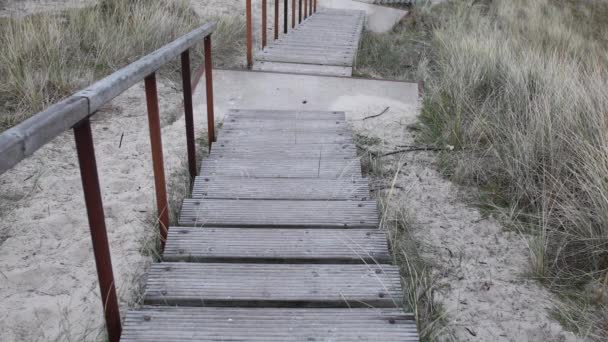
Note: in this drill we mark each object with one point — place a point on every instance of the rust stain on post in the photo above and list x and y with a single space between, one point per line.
157 157
101 249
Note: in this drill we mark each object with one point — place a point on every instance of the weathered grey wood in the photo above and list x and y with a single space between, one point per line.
300 151
282 168
279 213
328 39
265 114
273 285
261 245
209 324
108 88
285 137
231 123
23 140
280 188
305 69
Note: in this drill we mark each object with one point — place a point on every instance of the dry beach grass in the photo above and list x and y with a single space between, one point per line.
518 88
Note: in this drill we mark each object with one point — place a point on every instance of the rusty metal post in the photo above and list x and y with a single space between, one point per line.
249 36
315 9
310 7
264 23
101 249
285 16
305 9
276 19
299 11
188 113
157 157
293 14
209 85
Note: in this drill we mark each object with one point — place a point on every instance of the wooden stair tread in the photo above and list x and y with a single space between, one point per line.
210 324
279 213
273 285
221 187
282 168
203 244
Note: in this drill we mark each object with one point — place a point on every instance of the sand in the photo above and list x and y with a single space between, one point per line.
479 266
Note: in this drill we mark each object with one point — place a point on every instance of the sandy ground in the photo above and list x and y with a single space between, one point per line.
479 267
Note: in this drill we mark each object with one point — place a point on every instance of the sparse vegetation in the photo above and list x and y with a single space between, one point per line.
518 87
419 282
45 57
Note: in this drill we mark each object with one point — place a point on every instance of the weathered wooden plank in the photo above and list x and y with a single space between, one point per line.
264 114
300 151
261 245
282 168
306 69
279 213
233 123
280 188
24 139
306 60
211 324
273 285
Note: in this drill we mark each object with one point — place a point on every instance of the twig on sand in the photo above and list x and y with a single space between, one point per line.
377 115
413 149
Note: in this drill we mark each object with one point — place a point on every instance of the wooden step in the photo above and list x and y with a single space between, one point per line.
254 124
355 189
285 137
273 285
279 213
304 69
264 114
209 324
263 245
299 151
282 168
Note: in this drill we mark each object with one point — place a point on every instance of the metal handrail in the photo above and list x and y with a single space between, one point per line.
309 7
74 112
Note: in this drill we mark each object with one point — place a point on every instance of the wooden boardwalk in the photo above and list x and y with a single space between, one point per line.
279 242
324 44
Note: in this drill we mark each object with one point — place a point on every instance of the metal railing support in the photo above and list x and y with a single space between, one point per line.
209 88
285 16
305 9
188 113
299 11
264 23
293 14
249 35
315 9
157 157
101 248
276 19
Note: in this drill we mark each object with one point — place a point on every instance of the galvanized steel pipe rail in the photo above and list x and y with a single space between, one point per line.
74 112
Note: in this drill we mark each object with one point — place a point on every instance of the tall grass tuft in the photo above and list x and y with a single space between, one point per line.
518 87
45 57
